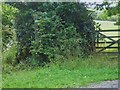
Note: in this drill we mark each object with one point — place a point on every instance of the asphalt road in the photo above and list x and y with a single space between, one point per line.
105 84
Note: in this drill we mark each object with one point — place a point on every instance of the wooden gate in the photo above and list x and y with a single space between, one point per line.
108 41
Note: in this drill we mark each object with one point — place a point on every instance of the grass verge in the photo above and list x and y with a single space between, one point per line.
70 73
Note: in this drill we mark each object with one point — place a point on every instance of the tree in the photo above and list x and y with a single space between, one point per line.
118 7
48 29
111 10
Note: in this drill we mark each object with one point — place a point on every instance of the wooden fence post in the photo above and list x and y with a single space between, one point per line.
119 49
97 38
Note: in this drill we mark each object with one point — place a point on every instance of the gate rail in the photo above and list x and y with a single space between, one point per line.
111 42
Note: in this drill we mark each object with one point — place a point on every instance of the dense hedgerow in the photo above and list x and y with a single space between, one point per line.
48 30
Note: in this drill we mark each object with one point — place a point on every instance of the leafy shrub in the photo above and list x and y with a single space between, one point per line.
52 37
103 15
53 29
9 55
8 32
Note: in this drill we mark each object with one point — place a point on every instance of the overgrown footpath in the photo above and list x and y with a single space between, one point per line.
70 73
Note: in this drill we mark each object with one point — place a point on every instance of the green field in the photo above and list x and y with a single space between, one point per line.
107 25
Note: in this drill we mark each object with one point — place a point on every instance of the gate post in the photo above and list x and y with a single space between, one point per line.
119 49
97 38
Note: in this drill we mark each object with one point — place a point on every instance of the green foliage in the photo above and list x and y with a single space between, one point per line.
9 59
114 10
24 33
51 29
9 55
102 16
118 8
52 37
110 12
8 14
8 33
83 22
